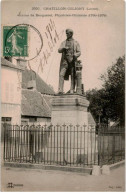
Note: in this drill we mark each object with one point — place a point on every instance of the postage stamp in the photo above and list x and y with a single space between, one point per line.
15 41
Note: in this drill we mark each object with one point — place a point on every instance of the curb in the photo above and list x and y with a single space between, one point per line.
116 165
60 168
49 167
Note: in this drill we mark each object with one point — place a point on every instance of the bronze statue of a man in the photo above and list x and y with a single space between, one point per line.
70 50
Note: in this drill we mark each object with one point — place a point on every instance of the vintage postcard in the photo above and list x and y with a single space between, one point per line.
63 95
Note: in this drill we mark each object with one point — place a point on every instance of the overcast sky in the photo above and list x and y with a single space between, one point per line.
101 38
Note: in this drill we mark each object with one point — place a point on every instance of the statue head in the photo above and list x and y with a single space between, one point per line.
69 33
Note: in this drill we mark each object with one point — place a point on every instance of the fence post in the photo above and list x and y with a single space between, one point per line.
63 144
113 150
4 127
70 143
99 148
84 126
57 141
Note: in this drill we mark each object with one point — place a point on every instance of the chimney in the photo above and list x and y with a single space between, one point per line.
8 58
31 84
22 63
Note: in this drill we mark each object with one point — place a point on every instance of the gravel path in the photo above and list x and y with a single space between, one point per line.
43 180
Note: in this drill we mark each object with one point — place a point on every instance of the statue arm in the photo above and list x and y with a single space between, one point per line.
61 49
78 51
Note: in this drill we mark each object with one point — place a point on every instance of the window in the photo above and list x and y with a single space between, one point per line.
6 120
32 120
23 122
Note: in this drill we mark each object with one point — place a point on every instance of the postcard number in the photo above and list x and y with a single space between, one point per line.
35 8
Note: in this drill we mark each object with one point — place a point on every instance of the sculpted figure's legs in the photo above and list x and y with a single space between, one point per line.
61 79
72 80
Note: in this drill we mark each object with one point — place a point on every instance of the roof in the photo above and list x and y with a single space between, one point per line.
41 86
35 104
9 64
91 120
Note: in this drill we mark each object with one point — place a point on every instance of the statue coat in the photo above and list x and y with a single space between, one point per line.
76 54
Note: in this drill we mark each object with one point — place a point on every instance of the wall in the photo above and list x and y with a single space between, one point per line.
11 94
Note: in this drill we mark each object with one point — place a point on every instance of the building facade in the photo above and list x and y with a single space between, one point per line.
11 78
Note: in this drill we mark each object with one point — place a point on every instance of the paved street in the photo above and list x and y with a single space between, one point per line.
43 180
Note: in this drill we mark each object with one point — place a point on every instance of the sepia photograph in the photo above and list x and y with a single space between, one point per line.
63 96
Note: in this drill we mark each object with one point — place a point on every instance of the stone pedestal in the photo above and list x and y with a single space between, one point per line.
71 139
69 109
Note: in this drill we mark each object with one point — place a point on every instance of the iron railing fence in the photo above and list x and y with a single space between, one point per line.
111 144
63 145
